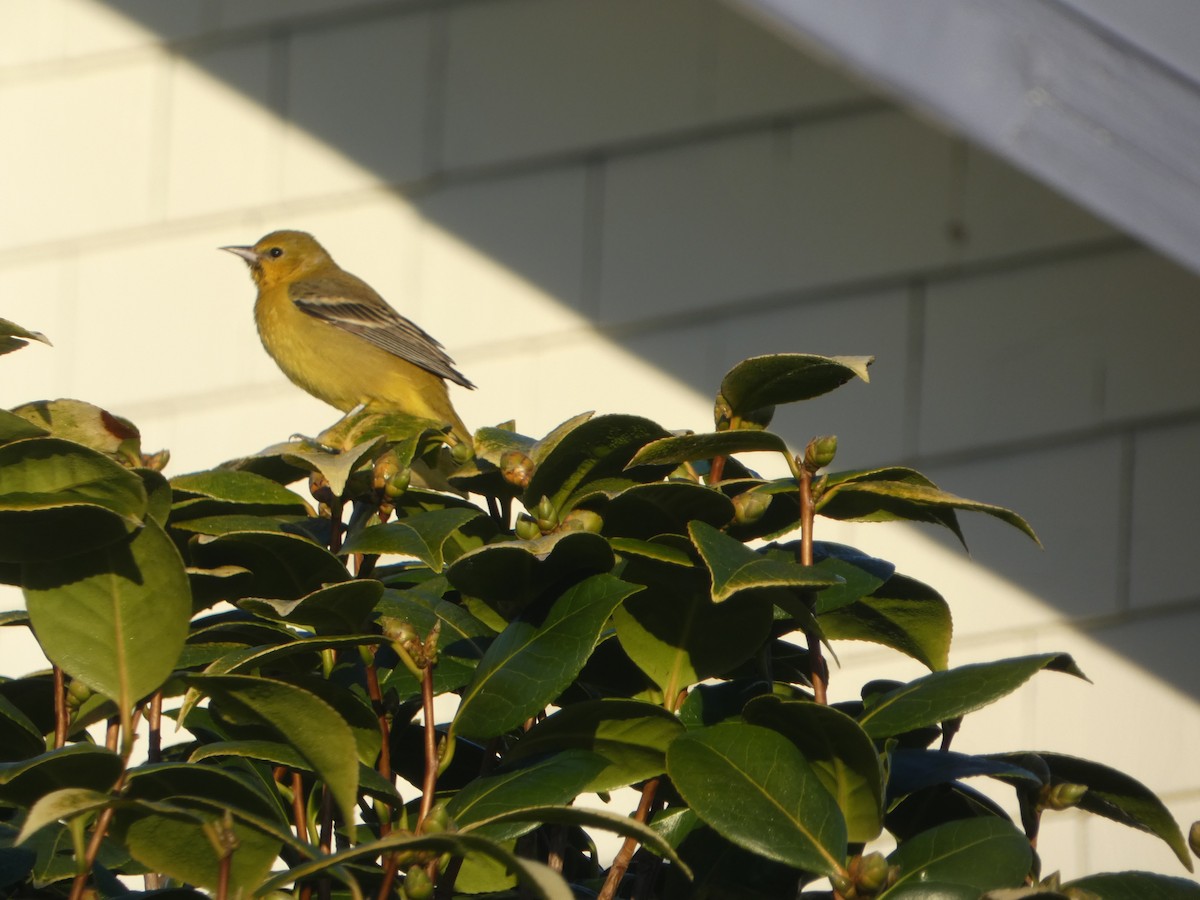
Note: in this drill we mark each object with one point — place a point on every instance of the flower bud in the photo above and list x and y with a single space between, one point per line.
385 469
462 452
516 468
582 520
750 506
397 484
77 693
526 528
546 515
1064 795
820 452
438 820
873 872
1194 838
417 884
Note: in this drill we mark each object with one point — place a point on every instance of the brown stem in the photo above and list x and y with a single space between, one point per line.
226 865
429 784
93 850
299 819
61 717
716 469
818 670
335 525
113 736
154 720
621 862
389 877
324 886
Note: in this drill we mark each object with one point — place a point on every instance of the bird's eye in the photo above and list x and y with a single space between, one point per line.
275 253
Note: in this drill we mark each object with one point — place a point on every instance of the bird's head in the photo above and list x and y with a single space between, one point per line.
283 256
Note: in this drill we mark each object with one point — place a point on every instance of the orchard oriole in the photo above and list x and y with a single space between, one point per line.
334 336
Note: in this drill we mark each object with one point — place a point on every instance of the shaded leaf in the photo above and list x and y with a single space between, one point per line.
903 614
283 566
1137 886
762 381
62 804
73 766
944 695
757 790
734 567
647 510
422 536
980 853
536 657
338 609
86 424
689 447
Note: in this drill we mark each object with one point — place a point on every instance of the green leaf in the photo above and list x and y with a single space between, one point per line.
645 511
557 780
981 853
62 804
284 566
911 770
536 657
422 536
896 493
1114 795
734 567
860 573
903 614
757 790
763 381
58 498
115 618
689 447
337 465
840 752
630 735
20 738
73 766
508 574
14 337
300 718
15 428
939 696
481 474
224 491
337 609
462 638
1137 886
594 449
279 754
540 881
678 636
86 424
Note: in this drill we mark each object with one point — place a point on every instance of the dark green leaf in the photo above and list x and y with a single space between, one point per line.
689 447
337 609
734 567
115 618
944 695
979 853
73 766
630 735
20 738
422 536
903 614
62 804
756 789
536 657
556 780
915 769
15 428
664 507
860 574
841 754
284 566
763 381
301 719
1137 886
58 498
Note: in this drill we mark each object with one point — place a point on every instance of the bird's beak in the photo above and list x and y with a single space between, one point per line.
246 253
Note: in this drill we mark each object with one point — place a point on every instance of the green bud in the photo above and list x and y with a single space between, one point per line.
516 468
582 520
546 515
722 413
462 452
872 872
385 469
1064 795
397 484
417 884
77 693
156 461
842 884
526 528
438 820
820 452
750 506
1194 838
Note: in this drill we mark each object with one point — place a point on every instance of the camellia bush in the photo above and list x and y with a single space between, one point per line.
396 679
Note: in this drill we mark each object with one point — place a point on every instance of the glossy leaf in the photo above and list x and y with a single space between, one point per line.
1116 796
860 574
983 854
423 536
664 507
300 718
338 609
283 566
536 657
1137 886
763 381
558 779
226 491
913 769
756 789
734 567
336 465
58 498
62 804
73 766
86 424
843 757
20 738
115 618
596 448
903 614
631 736
679 636
944 695
689 447
280 754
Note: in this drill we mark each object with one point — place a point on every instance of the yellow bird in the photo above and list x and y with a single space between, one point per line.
334 336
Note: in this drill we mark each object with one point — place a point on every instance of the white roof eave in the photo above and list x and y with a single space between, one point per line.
1039 83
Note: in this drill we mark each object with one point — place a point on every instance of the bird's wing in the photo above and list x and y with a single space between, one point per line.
373 320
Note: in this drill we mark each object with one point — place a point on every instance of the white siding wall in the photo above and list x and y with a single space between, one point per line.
603 206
